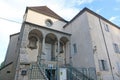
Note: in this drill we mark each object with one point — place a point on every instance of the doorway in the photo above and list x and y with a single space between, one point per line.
48 52
50 73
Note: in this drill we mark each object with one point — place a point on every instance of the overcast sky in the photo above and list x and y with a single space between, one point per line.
12 11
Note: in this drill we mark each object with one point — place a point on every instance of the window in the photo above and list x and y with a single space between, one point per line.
116 48
75 48
103 65
106 27
118 66
48 23
23 72
8 71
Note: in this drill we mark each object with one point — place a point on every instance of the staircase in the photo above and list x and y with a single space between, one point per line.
75 74
36 72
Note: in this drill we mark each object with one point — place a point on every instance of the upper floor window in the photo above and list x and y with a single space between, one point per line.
75 48
48 22
116 48
106 27
103 65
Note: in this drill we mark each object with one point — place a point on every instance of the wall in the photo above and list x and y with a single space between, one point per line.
103 41
81 37
39 19
11 51
7 76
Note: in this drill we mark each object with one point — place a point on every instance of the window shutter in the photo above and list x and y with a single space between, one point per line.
100 65
106 66
118 66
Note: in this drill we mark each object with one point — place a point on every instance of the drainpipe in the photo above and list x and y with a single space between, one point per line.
107 50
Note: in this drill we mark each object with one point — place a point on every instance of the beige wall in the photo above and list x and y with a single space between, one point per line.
11 54
81 37
7 76
96 27
39 19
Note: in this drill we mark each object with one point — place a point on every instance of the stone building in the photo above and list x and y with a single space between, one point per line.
51 48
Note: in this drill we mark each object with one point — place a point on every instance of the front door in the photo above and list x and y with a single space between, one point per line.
48 51
50 73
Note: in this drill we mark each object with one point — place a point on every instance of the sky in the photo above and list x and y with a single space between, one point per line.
12 11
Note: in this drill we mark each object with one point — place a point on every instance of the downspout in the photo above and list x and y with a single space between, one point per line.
106 49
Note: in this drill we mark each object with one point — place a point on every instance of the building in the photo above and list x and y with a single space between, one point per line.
51 48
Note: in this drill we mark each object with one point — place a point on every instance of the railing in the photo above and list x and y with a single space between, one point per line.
73 73
81 73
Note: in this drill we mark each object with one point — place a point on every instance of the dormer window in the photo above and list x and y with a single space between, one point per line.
48 23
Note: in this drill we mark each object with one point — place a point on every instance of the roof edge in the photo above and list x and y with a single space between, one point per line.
92 12
62 19
6 65
14 34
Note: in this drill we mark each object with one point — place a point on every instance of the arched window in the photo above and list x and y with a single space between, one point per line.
32 42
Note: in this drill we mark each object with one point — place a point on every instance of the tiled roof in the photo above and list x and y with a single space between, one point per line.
46 11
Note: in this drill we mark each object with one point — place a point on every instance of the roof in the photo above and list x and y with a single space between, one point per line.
15 34
5 66
92 12
46 11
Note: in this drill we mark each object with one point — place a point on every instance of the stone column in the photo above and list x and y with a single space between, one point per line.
57 65
43 46
42 54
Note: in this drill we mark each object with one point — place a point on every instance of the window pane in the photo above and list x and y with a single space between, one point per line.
106 27
116 48
103 65
75 48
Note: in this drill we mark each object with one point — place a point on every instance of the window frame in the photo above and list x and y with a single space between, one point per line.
103 65
106 27
116 48
74 48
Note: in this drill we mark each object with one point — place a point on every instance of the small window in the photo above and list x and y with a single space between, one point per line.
75 48
23 72
116 48
48 23
103 65
8 71
106 27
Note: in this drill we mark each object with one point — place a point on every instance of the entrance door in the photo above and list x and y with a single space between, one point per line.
50 74
48 51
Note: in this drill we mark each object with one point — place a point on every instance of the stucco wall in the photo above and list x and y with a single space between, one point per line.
103 41
7 73
81 37
39 19
11 54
